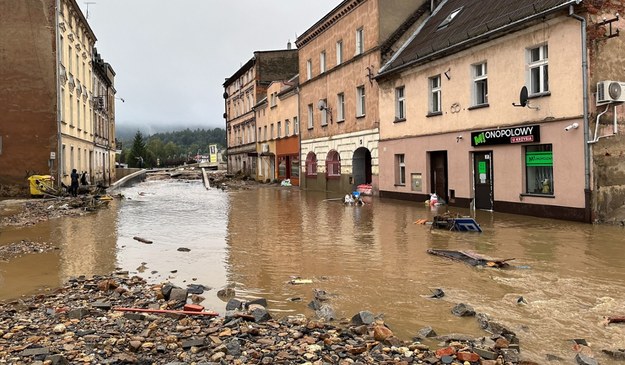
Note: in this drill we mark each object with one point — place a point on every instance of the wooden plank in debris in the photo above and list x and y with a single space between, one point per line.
166 311
471 258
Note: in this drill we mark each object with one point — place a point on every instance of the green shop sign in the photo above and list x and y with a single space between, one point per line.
539 158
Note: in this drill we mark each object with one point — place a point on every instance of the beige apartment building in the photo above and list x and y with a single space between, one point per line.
242 91
278 133
47 98
488 105
339 57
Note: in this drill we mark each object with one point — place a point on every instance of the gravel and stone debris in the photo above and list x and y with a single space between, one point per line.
31 212
16 249
81 323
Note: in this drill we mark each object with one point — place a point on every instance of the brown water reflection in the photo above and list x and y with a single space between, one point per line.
370 258
374 258
86 246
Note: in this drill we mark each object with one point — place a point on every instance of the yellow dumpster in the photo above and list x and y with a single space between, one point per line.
41 184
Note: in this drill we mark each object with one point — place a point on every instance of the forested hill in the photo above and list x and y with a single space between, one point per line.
186 140
198 137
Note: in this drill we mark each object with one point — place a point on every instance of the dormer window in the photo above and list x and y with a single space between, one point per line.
449 18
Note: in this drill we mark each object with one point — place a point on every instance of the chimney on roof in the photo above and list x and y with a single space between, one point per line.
288 44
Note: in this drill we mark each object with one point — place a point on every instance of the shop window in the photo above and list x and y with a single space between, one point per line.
539 169
333 165
282 167
295 168
311 164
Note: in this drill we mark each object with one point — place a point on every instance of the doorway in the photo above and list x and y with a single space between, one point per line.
483 180
361 165
438 174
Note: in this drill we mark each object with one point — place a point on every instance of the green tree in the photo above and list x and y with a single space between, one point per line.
138 153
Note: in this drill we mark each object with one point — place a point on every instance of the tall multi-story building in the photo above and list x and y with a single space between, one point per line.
47 97
244 89
103 121
339 57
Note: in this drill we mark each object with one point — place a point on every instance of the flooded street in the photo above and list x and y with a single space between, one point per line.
368 258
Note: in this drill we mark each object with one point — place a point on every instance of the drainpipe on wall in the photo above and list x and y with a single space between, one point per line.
587 154
59 155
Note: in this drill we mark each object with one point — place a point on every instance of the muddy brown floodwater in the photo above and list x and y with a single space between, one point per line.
368 258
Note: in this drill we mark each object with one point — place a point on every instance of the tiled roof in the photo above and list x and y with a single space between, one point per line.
476 19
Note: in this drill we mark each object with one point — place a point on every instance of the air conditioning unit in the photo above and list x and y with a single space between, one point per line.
610 92
265 148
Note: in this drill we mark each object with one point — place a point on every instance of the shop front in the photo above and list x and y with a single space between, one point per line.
534 169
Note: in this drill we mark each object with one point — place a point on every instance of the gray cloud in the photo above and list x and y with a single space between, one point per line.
171 57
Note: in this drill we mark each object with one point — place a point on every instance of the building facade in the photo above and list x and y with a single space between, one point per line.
46 102
278 133
492 118
103 171
244 89
339 121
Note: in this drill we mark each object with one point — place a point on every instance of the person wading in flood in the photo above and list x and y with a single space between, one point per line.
74 187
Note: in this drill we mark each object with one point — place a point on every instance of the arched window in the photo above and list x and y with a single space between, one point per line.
333 165
311 164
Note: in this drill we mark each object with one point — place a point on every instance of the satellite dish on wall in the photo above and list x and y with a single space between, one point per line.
321 104
522 98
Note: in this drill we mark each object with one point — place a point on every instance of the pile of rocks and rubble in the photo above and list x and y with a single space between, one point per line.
23 247
31 212
219 179
124 320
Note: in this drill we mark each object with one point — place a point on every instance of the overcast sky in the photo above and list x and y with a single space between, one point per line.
172 57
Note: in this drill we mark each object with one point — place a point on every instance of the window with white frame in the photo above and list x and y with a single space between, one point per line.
287 128
260 130
78 119
435 94
360 101
308 69
322 62
71 110
400 169
62 109
324 113
295 126
480 84
310 116
339 52
62 48
279 129
340 107
273 99
538 69
400 103
271 134
360 41
265 133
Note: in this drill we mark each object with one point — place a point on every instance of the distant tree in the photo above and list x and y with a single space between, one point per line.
138 153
